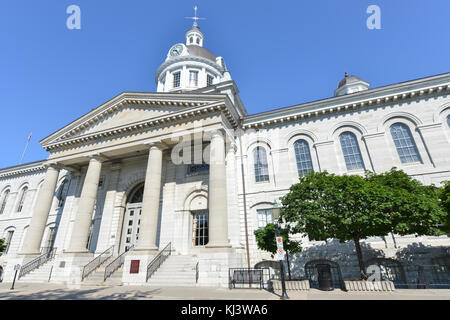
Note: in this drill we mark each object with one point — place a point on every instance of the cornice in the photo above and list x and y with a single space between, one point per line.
23 169
171 61
69 140
131 98
370 98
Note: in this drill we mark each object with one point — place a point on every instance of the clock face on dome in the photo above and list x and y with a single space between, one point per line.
176 50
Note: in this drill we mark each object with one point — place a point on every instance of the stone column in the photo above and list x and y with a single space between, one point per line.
150 201
218 220
83 219
41 210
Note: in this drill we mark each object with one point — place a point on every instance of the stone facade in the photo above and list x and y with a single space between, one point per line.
134 139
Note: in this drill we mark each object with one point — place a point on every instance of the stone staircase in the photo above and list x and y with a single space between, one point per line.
38 275
96 278
177 270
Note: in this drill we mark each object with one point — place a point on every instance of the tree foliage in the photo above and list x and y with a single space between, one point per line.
265 239
444 197
353 207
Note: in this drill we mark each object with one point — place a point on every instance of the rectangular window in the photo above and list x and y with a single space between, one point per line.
8 240
209 80
193 78
195 169
200 232
176 79
265 216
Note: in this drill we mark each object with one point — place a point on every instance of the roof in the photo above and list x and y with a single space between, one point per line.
198 51
349 79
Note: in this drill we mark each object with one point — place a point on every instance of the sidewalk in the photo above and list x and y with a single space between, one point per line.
31 291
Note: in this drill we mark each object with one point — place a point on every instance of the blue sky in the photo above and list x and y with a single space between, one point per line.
280 53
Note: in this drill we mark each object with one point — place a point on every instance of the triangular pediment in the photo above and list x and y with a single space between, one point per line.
129 108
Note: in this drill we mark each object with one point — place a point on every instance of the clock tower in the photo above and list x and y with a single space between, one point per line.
189 66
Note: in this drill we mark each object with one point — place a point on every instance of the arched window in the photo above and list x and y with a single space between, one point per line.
191 40
261 167
404 142
4 201
198 40
303 157
22 199
350 149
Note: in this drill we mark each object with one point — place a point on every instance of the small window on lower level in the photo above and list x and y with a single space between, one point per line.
265 216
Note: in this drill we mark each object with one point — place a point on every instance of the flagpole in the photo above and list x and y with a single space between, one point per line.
26 147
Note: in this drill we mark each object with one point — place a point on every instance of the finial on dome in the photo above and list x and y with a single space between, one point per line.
346 74
195 18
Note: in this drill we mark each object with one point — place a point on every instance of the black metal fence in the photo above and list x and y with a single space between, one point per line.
248 278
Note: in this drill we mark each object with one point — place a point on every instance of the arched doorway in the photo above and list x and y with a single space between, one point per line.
312 274
132 218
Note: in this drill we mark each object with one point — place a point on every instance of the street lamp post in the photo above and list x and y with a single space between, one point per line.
276 216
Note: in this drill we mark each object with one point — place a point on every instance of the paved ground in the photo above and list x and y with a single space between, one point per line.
26 291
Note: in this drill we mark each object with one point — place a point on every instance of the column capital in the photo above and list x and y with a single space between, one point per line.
98 157
53 165
157 145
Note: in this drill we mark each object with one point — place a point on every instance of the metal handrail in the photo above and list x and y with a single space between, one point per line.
97 262
158 260
196 272
37 262
116 264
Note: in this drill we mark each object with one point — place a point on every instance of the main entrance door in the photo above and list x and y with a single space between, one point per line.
132 219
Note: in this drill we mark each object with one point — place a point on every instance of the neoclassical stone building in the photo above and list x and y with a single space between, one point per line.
187 167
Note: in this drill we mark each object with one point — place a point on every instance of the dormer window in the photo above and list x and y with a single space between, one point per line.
176 79
193 78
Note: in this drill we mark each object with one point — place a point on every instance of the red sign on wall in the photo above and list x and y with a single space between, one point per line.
134 266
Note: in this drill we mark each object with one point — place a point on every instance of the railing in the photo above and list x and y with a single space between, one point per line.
158 260
36 263
116 264
196 273
97 262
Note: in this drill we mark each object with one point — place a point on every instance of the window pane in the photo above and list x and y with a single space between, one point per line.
264 217
303 157
209 80
176 79
261 167
193 78
22 199
4 201
448 120
350 149
404 142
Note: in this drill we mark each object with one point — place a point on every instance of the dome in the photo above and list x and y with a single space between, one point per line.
348 80
351 84
198 51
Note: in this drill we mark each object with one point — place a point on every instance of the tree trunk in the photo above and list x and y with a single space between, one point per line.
288 264
360 257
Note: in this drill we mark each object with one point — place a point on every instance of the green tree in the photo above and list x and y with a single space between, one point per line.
2 245
325 206
444 197
265 239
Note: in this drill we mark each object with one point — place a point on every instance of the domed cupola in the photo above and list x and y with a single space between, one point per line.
351 84
190 66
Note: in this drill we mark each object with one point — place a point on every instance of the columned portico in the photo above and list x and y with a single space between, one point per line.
150 201
218 218
41 211
83 219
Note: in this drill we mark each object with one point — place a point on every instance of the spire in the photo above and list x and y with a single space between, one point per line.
194 35
195 18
